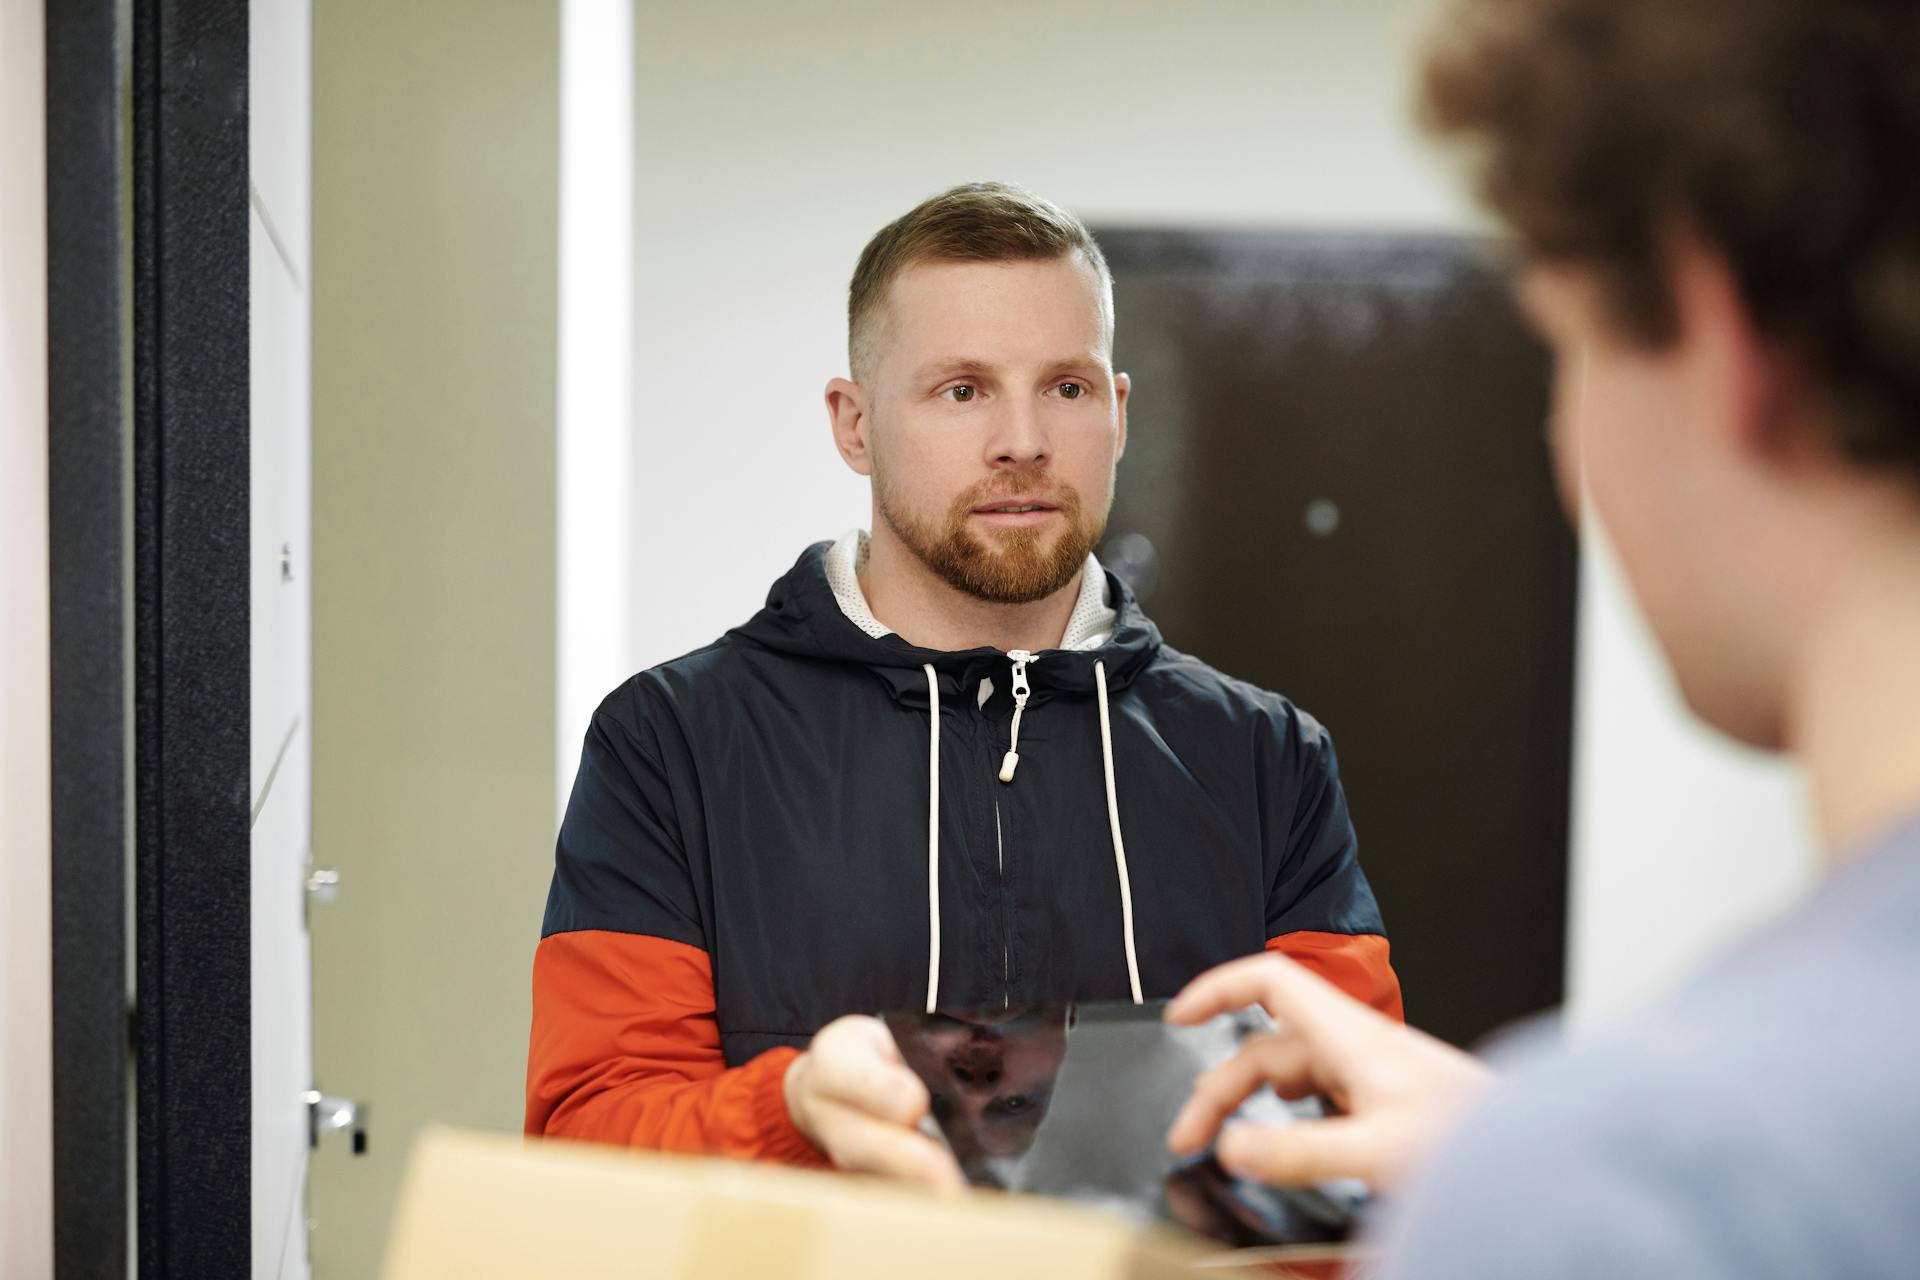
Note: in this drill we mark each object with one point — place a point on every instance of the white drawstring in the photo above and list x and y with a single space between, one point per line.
933 827
933 839
1119 845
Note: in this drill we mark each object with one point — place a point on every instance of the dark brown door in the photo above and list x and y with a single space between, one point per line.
1337 486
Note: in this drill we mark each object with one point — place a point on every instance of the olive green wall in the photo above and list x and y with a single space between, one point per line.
435 205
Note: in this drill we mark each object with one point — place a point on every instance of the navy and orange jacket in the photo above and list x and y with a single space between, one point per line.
752 849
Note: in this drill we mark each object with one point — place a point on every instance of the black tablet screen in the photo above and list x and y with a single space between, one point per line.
1076 1102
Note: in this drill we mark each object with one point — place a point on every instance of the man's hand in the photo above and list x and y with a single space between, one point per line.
853 1097
1398 1088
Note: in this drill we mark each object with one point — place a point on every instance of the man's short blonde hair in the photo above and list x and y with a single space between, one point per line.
974 222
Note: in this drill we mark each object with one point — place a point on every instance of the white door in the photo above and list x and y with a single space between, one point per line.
279 83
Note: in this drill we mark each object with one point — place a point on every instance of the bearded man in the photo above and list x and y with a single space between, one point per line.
950 765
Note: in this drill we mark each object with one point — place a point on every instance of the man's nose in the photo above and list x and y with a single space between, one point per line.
976 1077
1019 437
976 1068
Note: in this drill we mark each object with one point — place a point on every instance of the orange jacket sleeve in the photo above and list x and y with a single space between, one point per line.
625 1049
1354 962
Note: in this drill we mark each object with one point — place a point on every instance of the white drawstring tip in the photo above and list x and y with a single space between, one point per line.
1008 764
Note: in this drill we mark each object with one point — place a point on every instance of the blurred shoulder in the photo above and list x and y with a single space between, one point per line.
1758 1123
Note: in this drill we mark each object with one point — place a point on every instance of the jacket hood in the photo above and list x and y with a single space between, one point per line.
802 617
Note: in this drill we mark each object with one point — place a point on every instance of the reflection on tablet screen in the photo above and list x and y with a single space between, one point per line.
1076 1102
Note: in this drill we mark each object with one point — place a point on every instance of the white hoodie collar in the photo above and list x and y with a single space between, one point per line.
1089 627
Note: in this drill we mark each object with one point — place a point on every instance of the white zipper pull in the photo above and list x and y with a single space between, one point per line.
1011 760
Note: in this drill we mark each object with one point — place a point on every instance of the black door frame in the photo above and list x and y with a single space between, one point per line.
148 475
90 582
192 871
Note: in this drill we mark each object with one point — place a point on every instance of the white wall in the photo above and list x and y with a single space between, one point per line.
772 142
1681 840
26 1028
279 40
595 410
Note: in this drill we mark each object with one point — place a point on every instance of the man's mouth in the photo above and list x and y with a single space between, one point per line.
1012 508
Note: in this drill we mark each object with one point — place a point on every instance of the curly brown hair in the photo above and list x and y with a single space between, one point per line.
1784 133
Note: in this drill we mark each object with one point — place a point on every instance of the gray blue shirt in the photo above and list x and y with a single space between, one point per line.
1762 1122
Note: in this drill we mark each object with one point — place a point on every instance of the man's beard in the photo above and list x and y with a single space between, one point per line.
1012 566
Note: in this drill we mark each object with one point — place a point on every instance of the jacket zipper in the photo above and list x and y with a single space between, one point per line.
1011 761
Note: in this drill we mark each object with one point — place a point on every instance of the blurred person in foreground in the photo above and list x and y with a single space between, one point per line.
1718 207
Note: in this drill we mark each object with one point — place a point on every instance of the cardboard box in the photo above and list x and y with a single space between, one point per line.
485 1206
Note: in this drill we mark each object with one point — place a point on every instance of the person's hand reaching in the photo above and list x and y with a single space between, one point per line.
853 1097
1397 1089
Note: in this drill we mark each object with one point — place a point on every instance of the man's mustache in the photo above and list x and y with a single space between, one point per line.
1016 488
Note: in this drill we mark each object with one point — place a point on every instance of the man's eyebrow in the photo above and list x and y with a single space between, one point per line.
968 366
1077 364
952 367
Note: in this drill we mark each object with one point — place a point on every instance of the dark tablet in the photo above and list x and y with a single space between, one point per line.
1076 1102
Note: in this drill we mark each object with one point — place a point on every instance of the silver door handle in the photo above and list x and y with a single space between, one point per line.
327 1114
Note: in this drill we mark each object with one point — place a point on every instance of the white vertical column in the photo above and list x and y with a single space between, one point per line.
1682 841
280 623
26 831
595 364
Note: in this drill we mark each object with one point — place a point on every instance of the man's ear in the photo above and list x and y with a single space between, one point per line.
1122 388
847 414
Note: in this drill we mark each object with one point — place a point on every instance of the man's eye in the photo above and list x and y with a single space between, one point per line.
961 393
1072 390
